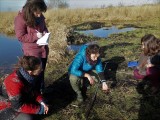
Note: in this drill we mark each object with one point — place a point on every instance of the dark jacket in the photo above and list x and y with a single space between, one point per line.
27 36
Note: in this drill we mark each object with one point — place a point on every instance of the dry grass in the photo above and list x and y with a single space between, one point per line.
123 103
7 22
57 41
71 17
58 20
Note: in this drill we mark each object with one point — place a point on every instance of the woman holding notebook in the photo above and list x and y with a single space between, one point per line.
30 26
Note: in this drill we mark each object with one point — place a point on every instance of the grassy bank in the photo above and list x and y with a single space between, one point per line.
123 102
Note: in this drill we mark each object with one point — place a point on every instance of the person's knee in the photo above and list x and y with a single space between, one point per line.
75 82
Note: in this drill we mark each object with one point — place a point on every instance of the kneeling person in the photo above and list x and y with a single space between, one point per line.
20 98
86 60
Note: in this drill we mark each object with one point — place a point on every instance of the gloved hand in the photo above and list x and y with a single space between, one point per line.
39 35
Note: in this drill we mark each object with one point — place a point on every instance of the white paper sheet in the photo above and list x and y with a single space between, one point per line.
44 40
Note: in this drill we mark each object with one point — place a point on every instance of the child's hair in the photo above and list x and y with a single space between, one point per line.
28 63
30 7
92 49
151 45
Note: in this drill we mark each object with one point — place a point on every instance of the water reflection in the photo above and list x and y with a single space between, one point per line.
104 32
10 49
101 32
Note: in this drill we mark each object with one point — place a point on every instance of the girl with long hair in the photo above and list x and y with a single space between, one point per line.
29 26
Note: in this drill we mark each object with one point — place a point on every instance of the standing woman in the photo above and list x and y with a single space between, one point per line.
29 26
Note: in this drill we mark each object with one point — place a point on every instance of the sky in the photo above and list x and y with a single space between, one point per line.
15 5
99 3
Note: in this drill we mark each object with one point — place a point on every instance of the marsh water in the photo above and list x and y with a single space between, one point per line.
104 32
101 32
10 50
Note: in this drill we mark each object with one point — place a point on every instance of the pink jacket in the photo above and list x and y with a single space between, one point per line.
152 73
27 36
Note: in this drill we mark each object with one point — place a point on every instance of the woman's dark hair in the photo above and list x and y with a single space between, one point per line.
29 63
151 45
30 7
92 49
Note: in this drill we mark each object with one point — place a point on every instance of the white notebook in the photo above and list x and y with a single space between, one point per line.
44 40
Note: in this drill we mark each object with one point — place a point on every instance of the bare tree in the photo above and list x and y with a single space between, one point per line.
57 4
158 1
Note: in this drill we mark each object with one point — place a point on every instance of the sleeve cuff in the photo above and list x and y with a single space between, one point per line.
103 81
42 103
41 111
101 76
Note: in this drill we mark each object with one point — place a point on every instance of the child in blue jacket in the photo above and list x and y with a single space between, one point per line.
86 60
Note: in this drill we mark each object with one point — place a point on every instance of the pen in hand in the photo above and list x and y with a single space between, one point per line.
39 35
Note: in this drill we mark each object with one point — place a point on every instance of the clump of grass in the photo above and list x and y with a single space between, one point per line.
7 22
57 41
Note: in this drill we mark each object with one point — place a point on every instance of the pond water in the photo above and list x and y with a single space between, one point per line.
10 50
104 32
101 32
77 47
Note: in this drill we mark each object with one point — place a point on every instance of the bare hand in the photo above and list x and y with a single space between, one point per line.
39 35
46 109
105 87
149 65
89 78
44 32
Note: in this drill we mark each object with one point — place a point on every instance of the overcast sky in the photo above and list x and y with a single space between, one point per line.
99 3
15 5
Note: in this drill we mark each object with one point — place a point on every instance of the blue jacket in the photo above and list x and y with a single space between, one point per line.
80 65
